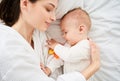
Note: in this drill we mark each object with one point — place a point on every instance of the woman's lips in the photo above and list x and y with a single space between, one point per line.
48 24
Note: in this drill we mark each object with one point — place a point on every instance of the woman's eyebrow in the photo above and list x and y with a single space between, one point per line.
52 5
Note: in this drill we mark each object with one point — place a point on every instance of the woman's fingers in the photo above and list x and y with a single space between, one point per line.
95 54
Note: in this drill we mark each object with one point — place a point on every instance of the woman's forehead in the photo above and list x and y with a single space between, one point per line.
53 3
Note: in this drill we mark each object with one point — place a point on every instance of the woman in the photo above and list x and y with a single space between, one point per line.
18 59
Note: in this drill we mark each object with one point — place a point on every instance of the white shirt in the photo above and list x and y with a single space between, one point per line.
19 62
76 58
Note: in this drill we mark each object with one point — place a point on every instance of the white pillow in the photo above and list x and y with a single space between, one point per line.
105 31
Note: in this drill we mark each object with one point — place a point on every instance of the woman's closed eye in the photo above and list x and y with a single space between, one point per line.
49 8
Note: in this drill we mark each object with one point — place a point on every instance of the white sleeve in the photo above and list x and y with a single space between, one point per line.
74 53
74 76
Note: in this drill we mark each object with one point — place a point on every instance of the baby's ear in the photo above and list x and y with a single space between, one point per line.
82 28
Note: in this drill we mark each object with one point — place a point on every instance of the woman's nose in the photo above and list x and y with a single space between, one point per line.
53 17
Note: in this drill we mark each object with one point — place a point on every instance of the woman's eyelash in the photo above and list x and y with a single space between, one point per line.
48 9
64 32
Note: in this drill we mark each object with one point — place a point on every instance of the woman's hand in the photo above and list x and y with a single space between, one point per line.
95 54
45 69
95 61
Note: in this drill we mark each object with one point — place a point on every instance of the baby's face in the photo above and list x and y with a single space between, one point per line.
70 31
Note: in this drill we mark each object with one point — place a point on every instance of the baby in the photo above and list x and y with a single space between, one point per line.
75 26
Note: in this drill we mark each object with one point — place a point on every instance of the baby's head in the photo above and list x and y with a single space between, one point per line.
75 25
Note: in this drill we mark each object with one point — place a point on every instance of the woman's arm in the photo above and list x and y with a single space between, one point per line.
95 61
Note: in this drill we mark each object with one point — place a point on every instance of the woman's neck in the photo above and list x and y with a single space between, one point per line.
25 31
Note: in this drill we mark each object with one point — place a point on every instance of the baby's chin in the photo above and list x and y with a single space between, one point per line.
71 43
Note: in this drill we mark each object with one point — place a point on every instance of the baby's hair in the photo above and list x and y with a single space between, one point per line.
76 16
69 12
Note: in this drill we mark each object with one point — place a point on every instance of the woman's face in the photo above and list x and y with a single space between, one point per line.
39 14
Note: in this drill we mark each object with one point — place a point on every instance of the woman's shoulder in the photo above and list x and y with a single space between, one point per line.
4 27
5 30
10 37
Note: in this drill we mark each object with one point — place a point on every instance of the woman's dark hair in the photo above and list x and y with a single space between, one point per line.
10 11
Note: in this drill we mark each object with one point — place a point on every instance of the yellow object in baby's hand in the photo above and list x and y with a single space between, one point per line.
51 51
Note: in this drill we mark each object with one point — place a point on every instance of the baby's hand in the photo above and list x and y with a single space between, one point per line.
45 69
51 43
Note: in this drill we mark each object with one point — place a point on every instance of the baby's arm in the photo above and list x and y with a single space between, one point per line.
65 53
74 53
